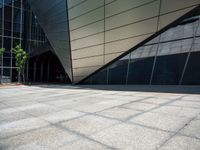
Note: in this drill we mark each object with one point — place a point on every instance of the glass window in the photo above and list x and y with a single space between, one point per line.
6 62
8 13
196 46
175 47
87 81
6 54
6 72
118 71
168 69
17 15
192 73
7 33
7 44
100 77
183 30
7 25
14 75
6 75
8 2
16 42
1 10
140 70
17 3
1 2
13 62
16 30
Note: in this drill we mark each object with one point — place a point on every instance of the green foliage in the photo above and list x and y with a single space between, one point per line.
21 58
2 50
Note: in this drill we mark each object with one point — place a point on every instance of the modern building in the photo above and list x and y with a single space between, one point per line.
103 41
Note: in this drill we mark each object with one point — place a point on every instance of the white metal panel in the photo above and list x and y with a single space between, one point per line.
87 30
87 62
88 41
173 5
124 45
144 27
134 15
88 52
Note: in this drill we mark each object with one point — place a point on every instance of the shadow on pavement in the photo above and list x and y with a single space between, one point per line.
139 88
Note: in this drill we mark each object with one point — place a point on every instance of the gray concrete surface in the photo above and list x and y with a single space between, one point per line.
58 117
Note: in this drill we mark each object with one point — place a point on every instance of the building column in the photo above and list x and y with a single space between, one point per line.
48 69
41 73
34 71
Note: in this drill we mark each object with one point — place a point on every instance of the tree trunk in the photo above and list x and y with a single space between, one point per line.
23 78
19 77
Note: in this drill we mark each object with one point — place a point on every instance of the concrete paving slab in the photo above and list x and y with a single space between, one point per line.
191 98
98 117
85 144
125 136
191 104
20 126
38 109
140 106
2 106
160 121
61 116
88 125
181 143
198 117
31 146
119 113
48 137
178 111
192 129
11 114
156 100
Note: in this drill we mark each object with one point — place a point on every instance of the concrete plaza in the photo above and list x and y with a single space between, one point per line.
63 117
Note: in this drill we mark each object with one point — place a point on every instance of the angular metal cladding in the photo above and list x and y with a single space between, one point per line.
53 18
102 31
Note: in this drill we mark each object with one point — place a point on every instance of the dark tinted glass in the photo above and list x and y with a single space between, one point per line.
100 77
17 3
8 13
6 62
8 2
6 72
17 15
168 69
7 44
192 73
118 72
14 75
140 71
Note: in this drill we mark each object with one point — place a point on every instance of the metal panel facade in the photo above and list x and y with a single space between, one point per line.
52 16
102 30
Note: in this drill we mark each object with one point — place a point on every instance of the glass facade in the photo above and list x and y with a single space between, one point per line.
171 58
18 25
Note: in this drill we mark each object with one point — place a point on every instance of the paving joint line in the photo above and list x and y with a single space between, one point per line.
176 133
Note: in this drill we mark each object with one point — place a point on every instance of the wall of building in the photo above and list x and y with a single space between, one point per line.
53 18
102 30
171 58
18 25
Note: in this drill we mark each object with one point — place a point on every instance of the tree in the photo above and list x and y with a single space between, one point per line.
21 57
